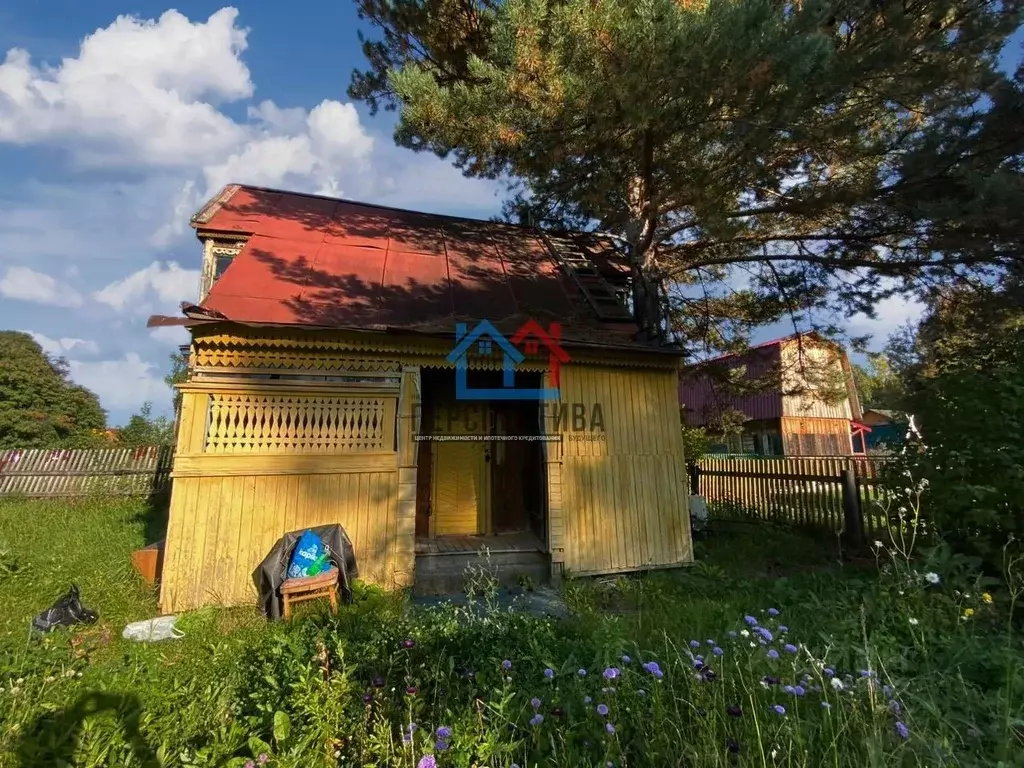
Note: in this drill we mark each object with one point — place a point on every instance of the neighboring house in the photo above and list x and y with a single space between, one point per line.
335 343
802 400
888 428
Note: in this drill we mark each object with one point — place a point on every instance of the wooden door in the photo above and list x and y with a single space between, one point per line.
460 479
460 488
510 463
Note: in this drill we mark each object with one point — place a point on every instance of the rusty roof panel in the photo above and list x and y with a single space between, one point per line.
322 262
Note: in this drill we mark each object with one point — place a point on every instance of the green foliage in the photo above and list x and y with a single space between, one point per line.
343 689
964 372
695 443
810 148
39 405
878 385
144 429
177 375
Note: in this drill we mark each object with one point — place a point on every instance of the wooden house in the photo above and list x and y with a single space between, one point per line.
433 384
792 396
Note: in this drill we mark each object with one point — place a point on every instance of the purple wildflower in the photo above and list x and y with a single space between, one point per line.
367 698
536 719
734 710
535 702
263 759
654 669
773 611
249 764
733 746
408 643
732 634
626 659
708 675
865 673
609 727
799 690
695 643
427 761
765 634
549 673
506 664
779 709
902 730
717 651
826 705
697 663
783 628
440 745
771 680
887 691
602 710
789 648
587 699
611 673
444 732
581 672
829 672
412 690
557 711
773 654
788 689
378 682
751 621
895 706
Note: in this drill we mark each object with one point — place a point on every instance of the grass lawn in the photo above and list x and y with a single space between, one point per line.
875 666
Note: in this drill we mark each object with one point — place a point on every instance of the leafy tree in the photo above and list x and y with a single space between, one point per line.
878 385
177 375
144 429
829 153
40 407
964 376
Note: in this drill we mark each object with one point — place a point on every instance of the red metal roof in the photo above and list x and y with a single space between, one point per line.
317 261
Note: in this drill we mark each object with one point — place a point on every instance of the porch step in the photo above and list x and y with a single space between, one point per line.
446 573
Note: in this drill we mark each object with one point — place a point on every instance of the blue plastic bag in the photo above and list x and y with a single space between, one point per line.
309 557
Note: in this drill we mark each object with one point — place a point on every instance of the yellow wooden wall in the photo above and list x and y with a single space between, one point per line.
619 504
229 508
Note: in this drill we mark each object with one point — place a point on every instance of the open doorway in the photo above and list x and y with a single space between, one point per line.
481 470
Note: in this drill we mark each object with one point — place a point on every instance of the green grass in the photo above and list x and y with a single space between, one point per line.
236 687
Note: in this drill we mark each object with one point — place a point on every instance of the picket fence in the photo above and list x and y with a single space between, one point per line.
41 472
834 492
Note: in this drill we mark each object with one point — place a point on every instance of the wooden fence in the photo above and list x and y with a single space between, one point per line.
40 472
834 492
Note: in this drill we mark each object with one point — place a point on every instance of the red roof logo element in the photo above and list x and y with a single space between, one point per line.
532 334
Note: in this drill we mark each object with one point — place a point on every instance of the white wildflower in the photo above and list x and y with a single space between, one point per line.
753 644
836 683
744 633
878 544
913 622
931 577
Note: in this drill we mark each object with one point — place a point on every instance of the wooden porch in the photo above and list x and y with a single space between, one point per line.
500 543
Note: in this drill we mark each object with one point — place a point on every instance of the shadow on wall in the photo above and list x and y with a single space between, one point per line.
54 738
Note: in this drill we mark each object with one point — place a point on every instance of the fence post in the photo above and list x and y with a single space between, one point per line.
694 479
853 523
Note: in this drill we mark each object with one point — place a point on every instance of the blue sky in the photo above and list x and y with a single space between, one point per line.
116 123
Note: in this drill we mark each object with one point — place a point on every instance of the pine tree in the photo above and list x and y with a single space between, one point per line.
759 157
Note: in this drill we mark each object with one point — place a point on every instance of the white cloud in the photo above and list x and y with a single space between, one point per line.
123 384
157 286
28 285
61 346
171 335
890 314
134 92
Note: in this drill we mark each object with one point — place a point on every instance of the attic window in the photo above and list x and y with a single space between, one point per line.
218 257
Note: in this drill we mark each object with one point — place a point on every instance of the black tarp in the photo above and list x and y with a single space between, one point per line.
272 572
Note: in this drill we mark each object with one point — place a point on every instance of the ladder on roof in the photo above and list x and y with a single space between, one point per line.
598 292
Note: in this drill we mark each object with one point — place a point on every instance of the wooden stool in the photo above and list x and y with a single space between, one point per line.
309 588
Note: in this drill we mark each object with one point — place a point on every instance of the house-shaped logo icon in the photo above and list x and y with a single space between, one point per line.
486 336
